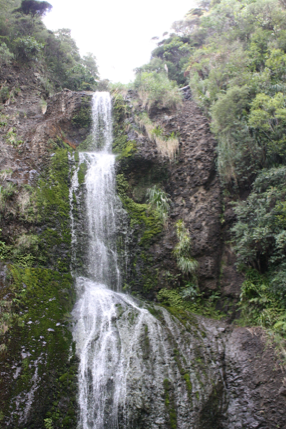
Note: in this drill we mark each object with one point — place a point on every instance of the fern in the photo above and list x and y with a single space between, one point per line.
159 201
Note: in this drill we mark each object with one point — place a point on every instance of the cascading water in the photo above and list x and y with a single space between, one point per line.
131 374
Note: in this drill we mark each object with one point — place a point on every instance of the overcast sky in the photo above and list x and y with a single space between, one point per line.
118 32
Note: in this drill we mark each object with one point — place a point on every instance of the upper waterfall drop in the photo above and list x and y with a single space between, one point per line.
102 121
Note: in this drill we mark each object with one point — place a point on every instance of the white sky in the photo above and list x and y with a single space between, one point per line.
117 32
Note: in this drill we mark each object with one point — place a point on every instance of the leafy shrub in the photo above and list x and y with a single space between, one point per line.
48 423
268 117
261 305
182 250
5 55
33 7
28 48
173 298
260 231
156 89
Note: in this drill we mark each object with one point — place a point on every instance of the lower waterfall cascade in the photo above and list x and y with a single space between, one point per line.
135 363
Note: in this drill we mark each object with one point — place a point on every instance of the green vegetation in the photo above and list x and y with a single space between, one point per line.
233 54
5 55
182 251
155 89
158 200
24 39
143 220
167 144
83 119
176 301
170 403
42 300
38 294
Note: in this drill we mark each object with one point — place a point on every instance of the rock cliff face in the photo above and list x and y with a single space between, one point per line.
236 381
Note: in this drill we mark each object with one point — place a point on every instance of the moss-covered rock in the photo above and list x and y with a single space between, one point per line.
52 197
37 360
40 380
83 117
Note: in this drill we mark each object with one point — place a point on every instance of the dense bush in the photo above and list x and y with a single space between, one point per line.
260 231
5 55
27 48
156 89
24 37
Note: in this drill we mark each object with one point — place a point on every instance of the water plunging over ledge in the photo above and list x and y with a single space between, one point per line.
131 374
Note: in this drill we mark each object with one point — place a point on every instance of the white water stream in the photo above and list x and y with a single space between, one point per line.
111 331
126 354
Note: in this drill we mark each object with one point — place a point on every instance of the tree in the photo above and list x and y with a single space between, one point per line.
89 61
33 7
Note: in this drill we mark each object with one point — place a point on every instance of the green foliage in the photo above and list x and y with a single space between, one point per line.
260 230
158 200
52 201
87 144
182 250
4 94
24 36
157 131
236 68
48 423
83 119
27 48
5 55
35 305
268 117
89 62
237 71
175 302
34 7
173 52
156 89
39 316
3 249
122 146
167 144
143 220
261 305
81 172
11 138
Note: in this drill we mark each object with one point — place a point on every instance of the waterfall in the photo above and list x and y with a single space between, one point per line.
134 362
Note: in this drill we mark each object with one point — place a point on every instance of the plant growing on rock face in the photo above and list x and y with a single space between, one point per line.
182 250
3 249
4 94
158 200
156 89
167 145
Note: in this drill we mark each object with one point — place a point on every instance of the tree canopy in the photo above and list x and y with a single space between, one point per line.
25 39
34 7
